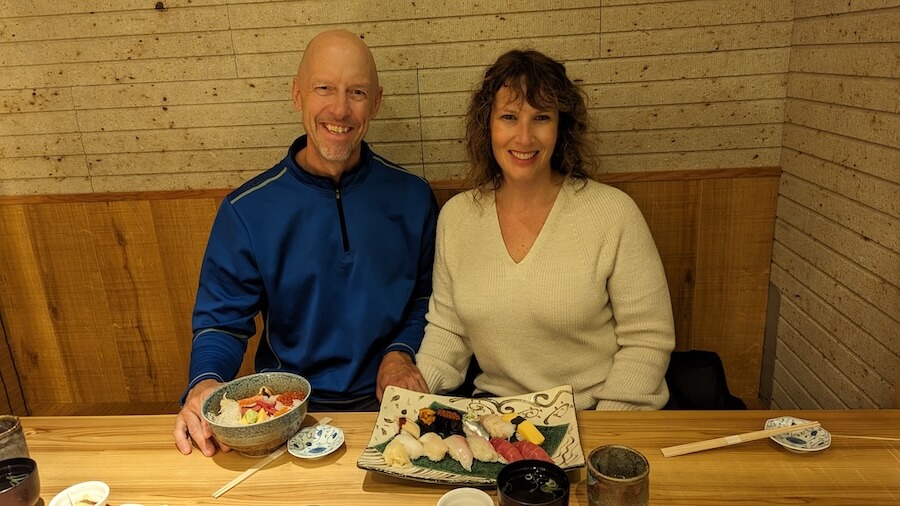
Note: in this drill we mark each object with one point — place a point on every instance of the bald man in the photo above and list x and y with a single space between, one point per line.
334 246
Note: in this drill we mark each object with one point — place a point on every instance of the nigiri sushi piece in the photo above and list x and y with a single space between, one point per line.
472 427
458 449
435 447
497 427
532 451
412 445
525 430
482 449
507 450
410 426
395 454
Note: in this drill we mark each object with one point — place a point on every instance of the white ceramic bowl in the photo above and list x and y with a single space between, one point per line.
95 491
465 496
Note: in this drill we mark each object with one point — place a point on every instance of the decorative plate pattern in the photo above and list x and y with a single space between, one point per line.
813 439
315 441
552 411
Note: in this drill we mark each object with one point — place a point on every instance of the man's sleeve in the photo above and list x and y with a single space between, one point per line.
409 335
228 297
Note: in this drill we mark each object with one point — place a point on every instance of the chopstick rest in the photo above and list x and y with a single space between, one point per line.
259 465
674 451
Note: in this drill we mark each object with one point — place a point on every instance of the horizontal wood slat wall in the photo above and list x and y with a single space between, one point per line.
96 290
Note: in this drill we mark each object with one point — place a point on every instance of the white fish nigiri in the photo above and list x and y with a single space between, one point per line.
412 427
497 426
482 449
459 450
435 447
395 454
412 445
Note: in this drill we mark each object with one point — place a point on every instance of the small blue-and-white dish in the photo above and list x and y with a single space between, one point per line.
315 441
812 439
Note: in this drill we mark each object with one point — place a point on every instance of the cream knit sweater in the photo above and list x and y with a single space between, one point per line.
588 306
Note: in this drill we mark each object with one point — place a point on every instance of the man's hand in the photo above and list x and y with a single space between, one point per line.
190 424
398 369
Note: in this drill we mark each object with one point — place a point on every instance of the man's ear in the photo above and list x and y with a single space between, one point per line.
296 96
377 105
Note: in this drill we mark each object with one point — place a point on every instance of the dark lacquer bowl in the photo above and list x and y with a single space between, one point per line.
20 484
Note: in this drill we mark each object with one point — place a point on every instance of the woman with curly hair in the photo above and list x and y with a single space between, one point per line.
541 274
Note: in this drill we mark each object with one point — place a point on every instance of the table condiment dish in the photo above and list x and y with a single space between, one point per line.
94 493
316 441
812 439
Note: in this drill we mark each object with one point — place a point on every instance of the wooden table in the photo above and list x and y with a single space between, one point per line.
136 456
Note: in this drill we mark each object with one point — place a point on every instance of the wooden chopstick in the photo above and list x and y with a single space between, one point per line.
249 472
259 465
674 451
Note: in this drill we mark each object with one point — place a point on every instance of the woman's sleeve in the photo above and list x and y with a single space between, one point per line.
644 326
444 355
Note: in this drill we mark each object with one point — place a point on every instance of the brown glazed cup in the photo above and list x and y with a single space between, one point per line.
618 476
12 438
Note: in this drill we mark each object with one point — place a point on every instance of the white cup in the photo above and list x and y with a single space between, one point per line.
465 496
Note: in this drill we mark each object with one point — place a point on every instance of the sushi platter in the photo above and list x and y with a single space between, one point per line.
438 439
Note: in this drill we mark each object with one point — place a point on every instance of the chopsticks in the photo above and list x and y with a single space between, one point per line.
259 465
673 451
249 472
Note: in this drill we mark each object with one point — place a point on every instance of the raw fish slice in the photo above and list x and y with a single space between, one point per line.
482 450
507 450
412 445
472 427
435 447
497 426
411 426
532 451
459 450
395 454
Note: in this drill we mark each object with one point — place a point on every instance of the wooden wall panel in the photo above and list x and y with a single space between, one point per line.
672 213
734 231
202 87
96 291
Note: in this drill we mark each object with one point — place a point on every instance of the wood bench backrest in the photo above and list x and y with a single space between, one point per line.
96 290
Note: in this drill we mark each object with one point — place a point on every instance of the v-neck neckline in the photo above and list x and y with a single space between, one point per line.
554 210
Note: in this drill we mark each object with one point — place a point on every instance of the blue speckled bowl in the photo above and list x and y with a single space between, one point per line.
263 438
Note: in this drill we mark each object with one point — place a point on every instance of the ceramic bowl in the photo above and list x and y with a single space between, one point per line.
258 439
20 484
316 441
465 496
88 492
812 439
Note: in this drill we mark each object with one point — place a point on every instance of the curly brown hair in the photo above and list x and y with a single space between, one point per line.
543 83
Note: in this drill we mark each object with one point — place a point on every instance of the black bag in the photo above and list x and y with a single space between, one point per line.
696 380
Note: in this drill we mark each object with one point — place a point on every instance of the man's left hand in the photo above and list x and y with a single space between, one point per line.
398 369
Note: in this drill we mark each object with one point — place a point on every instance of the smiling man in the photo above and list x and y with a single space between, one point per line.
333 246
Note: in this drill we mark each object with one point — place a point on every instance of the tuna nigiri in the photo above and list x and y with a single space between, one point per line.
532 451
507 450
459 450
